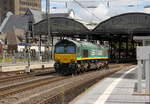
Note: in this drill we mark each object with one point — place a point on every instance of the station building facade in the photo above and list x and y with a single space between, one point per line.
17 6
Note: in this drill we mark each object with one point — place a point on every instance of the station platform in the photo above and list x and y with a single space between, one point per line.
22 66
115 89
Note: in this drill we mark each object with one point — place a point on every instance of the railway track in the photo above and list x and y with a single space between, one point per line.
23 76
16 88
27 85
52 80
62 96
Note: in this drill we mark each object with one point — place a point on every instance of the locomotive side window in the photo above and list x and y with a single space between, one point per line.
78 51
85 53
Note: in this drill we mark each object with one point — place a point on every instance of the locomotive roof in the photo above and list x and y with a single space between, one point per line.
83 43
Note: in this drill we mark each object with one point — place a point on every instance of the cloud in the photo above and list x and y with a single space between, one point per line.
96 2
101 11
43 9
43 4
124 2
89 14
147 10
116 11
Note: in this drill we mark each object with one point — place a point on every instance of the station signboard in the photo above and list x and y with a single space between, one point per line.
143 53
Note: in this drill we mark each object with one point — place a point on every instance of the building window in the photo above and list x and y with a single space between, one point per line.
5 2
23 9
28 3
30 25
5 8
22 3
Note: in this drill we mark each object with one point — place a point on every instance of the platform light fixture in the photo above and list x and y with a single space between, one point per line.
147 6
48 19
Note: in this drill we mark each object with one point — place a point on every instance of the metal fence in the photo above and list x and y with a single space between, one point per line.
23 57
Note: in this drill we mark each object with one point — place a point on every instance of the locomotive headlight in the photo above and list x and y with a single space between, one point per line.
57 61
56 65
72 61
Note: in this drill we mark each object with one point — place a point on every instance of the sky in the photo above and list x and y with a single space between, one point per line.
102 10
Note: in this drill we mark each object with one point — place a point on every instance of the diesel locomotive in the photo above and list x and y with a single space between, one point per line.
78 56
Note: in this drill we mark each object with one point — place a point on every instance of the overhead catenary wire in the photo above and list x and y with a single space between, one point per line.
82 0
107 2
86 9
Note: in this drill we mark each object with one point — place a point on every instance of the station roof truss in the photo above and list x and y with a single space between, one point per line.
124 25
61 26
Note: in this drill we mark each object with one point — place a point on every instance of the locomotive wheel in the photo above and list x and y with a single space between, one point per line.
78 71
57 71
97 68
82 70
102 67
107 67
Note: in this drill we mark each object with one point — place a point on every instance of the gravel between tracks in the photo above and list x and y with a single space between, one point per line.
7 75
38 94
21 77
26 80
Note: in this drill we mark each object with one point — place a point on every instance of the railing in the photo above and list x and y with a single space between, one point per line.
23 57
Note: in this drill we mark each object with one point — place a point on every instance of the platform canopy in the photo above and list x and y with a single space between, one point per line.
125 24
61 26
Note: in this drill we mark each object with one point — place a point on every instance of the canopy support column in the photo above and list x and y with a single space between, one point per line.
127 48
110 47
52 47
120 47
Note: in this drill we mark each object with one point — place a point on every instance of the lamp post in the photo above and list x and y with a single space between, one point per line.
1 14
49 39
28 54
27 48
48 20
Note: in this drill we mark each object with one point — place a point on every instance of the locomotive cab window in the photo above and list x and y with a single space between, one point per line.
65 49
59 49
70 49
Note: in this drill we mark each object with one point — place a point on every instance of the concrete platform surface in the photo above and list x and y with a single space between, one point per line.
19 67
116 89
